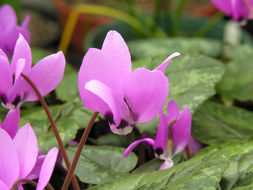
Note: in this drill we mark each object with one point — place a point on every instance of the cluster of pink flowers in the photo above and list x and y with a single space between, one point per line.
107 85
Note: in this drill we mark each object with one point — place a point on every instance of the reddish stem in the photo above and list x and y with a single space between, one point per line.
55 130
78 152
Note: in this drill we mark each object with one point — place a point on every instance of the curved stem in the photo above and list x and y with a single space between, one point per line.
78 152
55 130
33 183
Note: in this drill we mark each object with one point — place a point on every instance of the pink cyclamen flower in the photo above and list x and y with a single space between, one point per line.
19 158
11 122
124 97
166 147
237 9
10 30
46 75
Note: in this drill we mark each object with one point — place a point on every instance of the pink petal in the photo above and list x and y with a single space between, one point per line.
11 122
22 50
224 6
27 147
166 164
172 111
135 143
34 174
164 65
181 131
161 139
5 74
47 168
46 75
9 164
106 95
95 66
117 52
146 92
8 17
195 146
3 186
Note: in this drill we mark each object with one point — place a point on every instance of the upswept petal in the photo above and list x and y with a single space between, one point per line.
164 65
172 111
116 51
9 166
166 164
135 143
34 174
46 75
21 50
181 131
224 6
5 74
3 186
20 67
96 66
8 17
105 94
11 122
27 148
146 92
195 146
47 168
161 139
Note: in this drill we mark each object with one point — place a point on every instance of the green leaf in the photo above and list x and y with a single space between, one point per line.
203 172
67 127
240 170
39 53
113 140
154 47
238 79
154 164
239 173
99 164
192 80
214 123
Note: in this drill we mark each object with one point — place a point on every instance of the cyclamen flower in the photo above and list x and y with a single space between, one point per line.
237 9
10 30
46 75
19 158
172 136
11 122
107 85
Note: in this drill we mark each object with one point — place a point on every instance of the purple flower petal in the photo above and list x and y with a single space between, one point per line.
172 111
181 131
27 147
161 139
34 174
47 168
22 50
116 50
105 94
195 146
135 143
3 186
5 75
11 122
166 164
8 17
46 75
164 65
146 92
9 166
